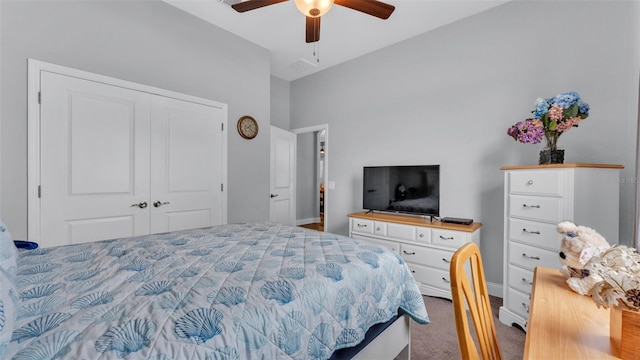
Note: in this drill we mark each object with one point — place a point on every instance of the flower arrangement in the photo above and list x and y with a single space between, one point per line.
619 270
551 118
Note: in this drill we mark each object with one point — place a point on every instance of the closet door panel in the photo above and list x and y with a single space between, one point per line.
94 147
186 158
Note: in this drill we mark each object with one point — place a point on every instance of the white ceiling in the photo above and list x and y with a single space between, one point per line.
344 33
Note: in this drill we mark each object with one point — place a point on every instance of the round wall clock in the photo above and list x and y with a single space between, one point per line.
247 127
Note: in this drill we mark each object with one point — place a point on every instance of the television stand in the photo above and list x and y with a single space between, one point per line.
426 245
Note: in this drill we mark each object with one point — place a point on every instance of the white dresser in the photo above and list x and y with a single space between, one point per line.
426 246
536 199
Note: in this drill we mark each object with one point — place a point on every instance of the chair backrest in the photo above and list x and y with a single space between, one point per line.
471 293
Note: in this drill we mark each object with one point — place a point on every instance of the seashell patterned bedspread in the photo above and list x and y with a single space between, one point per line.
240 291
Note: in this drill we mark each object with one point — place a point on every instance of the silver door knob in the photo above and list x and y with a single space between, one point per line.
273 195
141 204
160 203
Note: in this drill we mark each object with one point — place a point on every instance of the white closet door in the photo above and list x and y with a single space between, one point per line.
186 162
94 161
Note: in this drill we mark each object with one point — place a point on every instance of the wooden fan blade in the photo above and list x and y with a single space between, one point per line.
253 4
313 29
371 7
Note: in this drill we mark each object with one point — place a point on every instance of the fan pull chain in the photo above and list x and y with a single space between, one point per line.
316 51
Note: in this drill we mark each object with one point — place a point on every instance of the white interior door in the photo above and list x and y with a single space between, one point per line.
186 158
94 151
283 174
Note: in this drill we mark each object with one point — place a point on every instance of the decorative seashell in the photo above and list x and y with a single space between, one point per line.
228 296
34 260
118 252
254 324
249 242
137 265
93 299
332 271
290 330
40 291
54 346
39 326
205 282
39 269
323 243
224 353
373 248
250 256
174 301
40 307
378 286
200 252
362 315
380 315
296 273
155 288
2 316
344 301
82 257
341 259
178 242
316 348
85 286
283 252
314 294
279 290
229 266
369 258
37 279
160 254
132 336
347 337
359 278
412 301
184 272
102 314
35 252
200 324
83 275
142 276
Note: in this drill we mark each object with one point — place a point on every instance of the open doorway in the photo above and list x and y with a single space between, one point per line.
311 177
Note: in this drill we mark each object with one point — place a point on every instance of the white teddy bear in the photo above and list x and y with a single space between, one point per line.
580 243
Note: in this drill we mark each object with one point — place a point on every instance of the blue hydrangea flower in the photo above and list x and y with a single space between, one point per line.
542 106
567 99
584 108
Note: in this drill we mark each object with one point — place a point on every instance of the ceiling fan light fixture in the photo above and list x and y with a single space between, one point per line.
313 8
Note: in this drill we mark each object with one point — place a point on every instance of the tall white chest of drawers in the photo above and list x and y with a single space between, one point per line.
536 199
426 246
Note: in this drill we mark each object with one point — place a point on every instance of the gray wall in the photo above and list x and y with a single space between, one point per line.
448 96
280 98
147 42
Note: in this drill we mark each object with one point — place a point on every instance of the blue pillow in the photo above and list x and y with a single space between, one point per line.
8 309
8 252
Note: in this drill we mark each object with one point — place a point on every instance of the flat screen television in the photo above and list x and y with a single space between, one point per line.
402 189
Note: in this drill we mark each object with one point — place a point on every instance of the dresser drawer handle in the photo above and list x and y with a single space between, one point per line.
531 232
531 206
409 253
530 257
447 261
528 282
378 228
421 235
530 182
446 238
445 279
362 225
526 307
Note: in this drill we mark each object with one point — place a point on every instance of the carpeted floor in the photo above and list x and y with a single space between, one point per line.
438 340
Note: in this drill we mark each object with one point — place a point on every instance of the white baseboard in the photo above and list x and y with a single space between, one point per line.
307 221
494 289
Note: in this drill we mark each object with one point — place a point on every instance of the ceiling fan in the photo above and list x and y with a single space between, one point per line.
314 9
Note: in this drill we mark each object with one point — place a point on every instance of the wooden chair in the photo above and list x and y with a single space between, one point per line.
471 293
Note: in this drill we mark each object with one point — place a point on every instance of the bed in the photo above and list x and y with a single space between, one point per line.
240 291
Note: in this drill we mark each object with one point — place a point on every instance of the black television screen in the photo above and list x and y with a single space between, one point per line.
405 189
